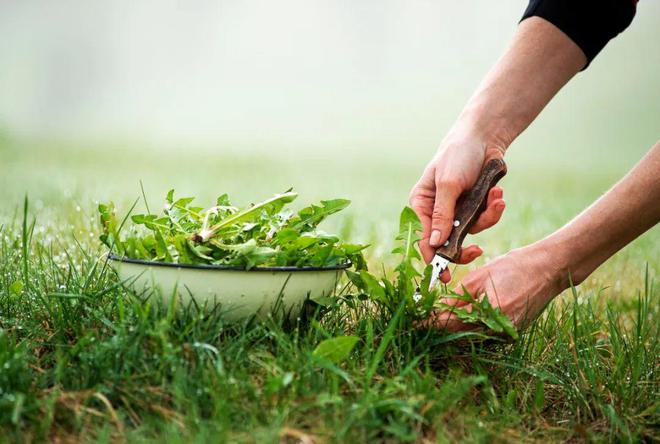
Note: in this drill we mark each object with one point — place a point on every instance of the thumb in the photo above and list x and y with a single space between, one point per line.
442 219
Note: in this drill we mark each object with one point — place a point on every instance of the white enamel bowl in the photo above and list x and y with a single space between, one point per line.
241 293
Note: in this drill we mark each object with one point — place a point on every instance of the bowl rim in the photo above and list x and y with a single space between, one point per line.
289 268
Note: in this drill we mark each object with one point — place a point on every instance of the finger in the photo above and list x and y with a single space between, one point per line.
495 193
445 276
423 207
424 247
493 213
453 301
427 250
446 320
468 254
442 219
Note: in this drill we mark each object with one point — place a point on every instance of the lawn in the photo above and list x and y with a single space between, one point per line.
82 358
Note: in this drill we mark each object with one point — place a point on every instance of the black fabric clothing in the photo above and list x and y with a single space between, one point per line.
589 23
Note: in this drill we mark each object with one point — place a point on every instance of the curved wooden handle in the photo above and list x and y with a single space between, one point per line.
469 206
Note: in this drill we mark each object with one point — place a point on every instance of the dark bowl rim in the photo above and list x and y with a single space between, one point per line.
116 258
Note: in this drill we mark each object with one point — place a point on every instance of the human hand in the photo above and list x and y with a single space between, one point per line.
521 283
453 170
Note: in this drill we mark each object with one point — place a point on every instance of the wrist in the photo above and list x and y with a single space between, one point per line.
550 261
492 131
565 265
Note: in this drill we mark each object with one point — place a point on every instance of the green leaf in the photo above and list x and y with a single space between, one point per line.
223 201
162 249
200 251
110 228
286 237
183 202
409 226
504 321
273 204
186 255
336 349
309 217
244 248
259 256
372 286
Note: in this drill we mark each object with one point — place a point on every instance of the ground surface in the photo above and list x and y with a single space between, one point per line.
82 358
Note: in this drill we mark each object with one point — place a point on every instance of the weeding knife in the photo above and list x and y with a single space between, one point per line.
468 208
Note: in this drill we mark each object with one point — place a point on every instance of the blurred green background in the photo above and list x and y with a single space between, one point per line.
334 98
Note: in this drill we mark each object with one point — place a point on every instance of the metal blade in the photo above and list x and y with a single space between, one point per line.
439 265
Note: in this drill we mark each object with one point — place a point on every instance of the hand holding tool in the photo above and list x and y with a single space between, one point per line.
469 206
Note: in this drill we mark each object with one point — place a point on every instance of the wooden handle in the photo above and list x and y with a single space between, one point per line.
469 206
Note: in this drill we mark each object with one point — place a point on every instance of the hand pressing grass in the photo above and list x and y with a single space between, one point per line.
264 234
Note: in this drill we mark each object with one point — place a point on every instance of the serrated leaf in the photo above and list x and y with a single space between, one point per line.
272 204
309 217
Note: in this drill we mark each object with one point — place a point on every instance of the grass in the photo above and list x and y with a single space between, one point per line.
84 359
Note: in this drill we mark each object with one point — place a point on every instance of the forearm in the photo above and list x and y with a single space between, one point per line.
540 60
626 211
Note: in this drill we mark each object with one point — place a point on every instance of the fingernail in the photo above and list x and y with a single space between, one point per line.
435 238
500 206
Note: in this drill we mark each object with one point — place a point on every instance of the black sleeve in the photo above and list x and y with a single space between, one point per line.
589 23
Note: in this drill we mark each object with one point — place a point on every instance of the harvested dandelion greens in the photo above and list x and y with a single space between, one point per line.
263 234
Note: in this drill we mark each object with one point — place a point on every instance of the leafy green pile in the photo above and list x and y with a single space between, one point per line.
409 290
264 234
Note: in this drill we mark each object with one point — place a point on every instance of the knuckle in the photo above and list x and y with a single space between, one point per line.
418 206
448 183
488 219
440 215
413 197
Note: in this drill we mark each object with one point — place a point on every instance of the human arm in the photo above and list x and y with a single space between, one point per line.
555 40
539 61
525 280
